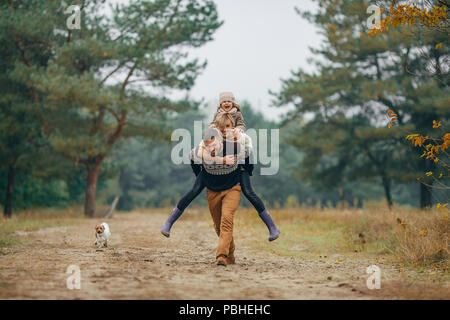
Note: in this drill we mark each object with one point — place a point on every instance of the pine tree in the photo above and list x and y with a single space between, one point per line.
107 80
358 74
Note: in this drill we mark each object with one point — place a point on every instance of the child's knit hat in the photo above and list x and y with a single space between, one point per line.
226 96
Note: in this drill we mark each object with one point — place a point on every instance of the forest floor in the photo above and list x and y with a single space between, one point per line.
140 263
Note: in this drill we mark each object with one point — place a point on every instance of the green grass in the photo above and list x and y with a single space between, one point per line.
305 240
8 240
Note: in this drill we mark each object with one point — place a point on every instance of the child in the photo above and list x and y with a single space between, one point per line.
227 105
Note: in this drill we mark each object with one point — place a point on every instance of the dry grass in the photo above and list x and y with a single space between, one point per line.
31 220
424 240
412 245
411 236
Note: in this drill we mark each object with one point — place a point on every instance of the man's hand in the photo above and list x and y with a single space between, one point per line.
237 133
230 159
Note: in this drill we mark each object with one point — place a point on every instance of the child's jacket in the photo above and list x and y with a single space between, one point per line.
237 116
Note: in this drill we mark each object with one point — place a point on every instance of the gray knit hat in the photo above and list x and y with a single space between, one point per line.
226 96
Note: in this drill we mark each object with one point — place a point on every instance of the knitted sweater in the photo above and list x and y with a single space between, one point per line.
220 176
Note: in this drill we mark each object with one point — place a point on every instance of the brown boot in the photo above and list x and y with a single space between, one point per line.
230 258
221 261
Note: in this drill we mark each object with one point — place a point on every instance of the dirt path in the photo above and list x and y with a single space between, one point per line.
142 264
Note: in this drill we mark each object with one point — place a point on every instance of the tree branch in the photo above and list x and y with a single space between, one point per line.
110 74
74 158
113 113
157 38
118 131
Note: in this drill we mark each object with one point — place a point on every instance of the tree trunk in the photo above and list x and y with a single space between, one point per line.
341 198
91 189
425 196
323 203
7 210
359 204
111 209
387 191
425 191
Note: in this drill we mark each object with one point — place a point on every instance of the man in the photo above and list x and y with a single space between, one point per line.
222 182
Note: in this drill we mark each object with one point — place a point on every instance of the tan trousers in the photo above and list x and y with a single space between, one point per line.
222 206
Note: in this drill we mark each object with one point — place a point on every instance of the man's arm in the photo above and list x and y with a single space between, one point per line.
203 154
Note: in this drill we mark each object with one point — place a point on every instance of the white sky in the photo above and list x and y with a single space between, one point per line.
266 39
260 42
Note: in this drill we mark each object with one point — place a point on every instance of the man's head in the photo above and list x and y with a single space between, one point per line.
213 140
224 121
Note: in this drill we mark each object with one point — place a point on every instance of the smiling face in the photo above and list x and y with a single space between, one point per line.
227 125
224 122
226 105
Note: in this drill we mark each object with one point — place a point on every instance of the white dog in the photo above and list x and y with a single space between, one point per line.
102 234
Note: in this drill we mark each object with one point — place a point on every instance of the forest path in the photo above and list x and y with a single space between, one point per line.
142 264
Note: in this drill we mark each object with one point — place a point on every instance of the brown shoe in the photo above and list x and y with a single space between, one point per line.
221 261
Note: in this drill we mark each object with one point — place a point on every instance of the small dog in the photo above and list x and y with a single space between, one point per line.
102 234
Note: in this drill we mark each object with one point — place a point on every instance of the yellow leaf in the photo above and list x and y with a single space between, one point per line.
438 45
437 124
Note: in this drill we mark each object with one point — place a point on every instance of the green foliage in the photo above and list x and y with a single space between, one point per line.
358 79
148 178
85 89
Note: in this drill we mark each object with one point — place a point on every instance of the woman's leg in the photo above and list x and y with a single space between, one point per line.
182 204
259 205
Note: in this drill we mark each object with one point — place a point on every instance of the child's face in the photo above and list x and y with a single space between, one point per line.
227 128
226 105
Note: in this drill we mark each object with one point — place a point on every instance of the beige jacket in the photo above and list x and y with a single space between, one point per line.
237 116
